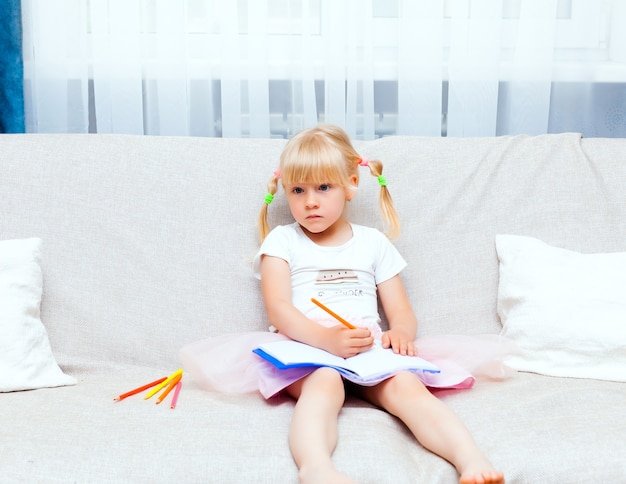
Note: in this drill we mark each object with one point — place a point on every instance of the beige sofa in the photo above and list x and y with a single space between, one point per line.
146 244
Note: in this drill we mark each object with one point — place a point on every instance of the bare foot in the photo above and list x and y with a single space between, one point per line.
487 475
323 475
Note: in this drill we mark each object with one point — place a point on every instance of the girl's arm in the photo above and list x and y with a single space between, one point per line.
284 316
402 321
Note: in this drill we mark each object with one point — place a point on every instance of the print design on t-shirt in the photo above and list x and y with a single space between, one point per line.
338 276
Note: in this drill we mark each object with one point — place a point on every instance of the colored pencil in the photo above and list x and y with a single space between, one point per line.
169 388
140 389
175 396
163 384
333 314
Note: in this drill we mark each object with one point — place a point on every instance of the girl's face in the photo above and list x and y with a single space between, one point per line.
318 208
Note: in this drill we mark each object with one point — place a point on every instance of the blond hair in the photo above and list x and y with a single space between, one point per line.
324 154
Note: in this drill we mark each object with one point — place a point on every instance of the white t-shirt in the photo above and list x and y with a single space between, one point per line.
344 278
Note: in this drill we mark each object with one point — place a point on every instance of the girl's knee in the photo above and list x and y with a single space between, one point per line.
326 380
328 376
404 385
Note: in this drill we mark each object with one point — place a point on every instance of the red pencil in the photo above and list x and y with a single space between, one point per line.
140 389
176 392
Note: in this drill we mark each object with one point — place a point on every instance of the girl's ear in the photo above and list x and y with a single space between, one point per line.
354 182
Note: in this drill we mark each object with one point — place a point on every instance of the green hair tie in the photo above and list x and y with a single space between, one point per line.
382 181
268 198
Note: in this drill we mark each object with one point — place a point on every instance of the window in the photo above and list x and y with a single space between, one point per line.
378 67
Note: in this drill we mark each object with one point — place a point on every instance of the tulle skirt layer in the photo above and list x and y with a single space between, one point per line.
227 364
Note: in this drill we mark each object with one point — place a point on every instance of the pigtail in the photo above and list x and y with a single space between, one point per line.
390 216
272 187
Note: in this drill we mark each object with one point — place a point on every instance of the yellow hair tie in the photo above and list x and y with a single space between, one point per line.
268 198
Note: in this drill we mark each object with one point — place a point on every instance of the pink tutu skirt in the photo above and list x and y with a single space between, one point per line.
227 364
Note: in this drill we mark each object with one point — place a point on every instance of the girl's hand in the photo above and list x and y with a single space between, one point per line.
346 342
399 342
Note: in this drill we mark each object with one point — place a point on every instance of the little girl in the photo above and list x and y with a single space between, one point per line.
347 267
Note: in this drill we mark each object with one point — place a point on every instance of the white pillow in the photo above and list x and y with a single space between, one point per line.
565 310
26 360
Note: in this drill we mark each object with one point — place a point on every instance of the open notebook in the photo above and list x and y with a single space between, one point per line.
366 368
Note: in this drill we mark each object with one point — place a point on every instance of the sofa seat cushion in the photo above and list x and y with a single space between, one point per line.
86 436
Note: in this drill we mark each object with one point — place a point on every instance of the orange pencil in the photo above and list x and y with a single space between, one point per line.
169 388
175 396
140 389
333 314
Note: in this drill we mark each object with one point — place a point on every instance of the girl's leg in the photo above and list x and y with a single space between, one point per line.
313 432
434 425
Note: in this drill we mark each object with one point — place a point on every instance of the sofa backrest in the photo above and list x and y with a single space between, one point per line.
147 241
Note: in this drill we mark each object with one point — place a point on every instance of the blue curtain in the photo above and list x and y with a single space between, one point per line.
11 68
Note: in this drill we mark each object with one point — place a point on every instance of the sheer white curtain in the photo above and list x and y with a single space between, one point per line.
267 68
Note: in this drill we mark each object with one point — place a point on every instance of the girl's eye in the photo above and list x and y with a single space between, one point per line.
297 190
324 188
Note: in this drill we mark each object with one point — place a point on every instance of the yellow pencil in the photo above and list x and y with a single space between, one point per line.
333 314
169 388
163 384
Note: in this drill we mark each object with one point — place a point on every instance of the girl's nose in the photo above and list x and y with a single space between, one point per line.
311 201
